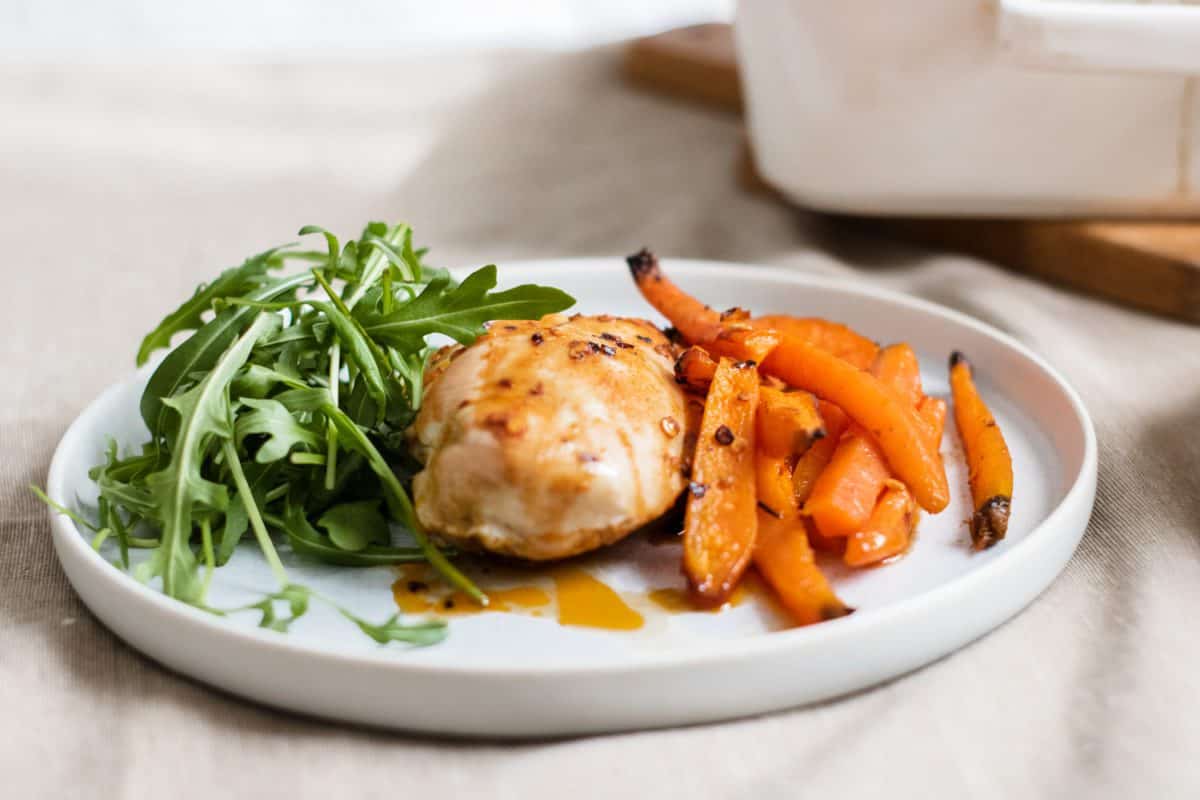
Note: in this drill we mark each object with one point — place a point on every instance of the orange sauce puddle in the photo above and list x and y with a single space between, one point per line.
589 603
578 598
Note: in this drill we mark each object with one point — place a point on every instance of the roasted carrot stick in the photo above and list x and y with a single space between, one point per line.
727 335
846 494
900 434
897 367
694 369
721 519
887 531
773 486
787 423
696 322
933 411
782 553
839 339
810 465
742 341
897 429
989 464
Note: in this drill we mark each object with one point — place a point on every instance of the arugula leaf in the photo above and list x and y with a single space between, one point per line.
412 257
360 406
254 381
128 495
200 352
392 630
307 399
371 268
110 517
61 509
178 489
331 243
404 269
271 419
306 541
359 347
368 272
460 312
353 526
302 333
237 522
246 494
296 597
128 469
235 281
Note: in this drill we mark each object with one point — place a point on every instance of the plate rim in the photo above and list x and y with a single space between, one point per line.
69 541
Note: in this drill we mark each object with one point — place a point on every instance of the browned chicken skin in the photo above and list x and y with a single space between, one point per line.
547 439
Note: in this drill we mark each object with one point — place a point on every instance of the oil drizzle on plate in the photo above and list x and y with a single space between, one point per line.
580 599
569 593
416 597
590 603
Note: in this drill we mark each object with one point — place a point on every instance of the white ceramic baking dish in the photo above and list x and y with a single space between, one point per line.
975 107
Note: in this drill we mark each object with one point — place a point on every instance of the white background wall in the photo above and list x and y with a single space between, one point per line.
120 28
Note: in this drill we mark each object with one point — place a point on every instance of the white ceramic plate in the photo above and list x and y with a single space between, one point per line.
508 675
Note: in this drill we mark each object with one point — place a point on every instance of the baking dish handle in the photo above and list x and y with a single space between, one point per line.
1091 35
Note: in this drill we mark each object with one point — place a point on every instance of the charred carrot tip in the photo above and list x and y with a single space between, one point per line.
642 264
835 611
736 314
990 523
958 357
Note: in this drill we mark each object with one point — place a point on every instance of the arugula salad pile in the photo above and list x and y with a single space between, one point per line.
282 416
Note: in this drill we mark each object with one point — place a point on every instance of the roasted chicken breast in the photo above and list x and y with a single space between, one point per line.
550 438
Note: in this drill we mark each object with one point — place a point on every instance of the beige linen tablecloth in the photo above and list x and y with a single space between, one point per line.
122 187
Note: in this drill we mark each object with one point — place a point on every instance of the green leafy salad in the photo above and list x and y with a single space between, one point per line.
282 417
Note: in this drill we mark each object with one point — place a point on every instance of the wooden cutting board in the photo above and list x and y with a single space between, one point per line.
1153 266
